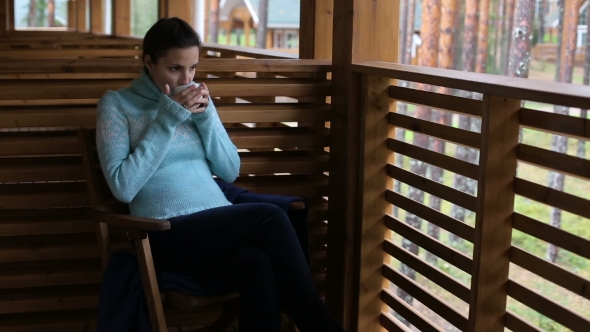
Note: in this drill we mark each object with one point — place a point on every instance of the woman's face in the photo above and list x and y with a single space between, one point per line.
175 69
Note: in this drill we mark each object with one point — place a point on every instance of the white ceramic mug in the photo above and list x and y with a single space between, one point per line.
182 87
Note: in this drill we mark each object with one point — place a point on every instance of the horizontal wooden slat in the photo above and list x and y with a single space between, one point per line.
49 299
548 307
440 101
63 223
53 321
572 95
425 297
428 271
246 138
248 51
552 197
517 324
69 53
38 143
65 76
432 187
431 215
262 165
43 195
49 277
551 272
459 136
48 247
16 90
133 66
550 234
278 112
41 169
76 117
413 316
284 185
391 324
556 123
445 162
430 244
554 161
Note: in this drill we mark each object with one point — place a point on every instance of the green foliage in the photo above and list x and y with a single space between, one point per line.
144 15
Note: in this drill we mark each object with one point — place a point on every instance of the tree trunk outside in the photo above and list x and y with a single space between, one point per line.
468 56
567 48
262 23
482 36
584 113
459 30
541 19
520 53
402 107
32 19
446 52
214 21
428 57
51 13
509 17
498 34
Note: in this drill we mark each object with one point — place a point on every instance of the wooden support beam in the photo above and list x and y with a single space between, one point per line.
494 213
81 22
72 15
183 9
315 33
367 30
96 16
11 17
121 17
3 17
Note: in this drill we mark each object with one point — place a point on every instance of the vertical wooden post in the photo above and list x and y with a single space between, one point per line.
72 24
315 32
96 17
183 9
367 30
121 17
10 15
375 155
494 211
162 9
81 8
3 17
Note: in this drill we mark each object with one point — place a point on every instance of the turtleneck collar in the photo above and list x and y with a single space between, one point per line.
145 87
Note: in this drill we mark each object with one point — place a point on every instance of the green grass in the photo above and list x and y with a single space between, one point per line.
222 39
567 260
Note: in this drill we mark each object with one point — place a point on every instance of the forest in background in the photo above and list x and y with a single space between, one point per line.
495 37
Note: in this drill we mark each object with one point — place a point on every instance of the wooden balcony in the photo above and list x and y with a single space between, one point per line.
324 130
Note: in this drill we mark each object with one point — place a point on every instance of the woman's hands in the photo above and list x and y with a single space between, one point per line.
194 99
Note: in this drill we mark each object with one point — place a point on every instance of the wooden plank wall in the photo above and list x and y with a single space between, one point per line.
49 260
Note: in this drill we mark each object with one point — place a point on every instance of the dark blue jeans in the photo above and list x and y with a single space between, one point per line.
255 249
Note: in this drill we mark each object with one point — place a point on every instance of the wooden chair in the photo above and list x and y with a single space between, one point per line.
113 218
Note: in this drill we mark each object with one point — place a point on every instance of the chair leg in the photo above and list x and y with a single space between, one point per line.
152 292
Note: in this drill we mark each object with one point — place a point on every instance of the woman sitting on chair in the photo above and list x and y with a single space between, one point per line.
158 152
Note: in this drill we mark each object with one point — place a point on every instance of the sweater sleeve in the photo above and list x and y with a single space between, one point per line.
127 171
222 155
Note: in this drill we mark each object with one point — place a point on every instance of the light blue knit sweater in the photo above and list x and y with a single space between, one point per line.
159 157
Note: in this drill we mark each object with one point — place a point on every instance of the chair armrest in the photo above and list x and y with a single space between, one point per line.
131 222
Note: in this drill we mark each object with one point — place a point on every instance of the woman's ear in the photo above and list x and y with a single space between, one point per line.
147 61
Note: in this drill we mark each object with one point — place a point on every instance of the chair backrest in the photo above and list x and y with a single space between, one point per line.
100 196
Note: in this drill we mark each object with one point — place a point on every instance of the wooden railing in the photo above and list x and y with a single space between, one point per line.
486 275
227 51
49 267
